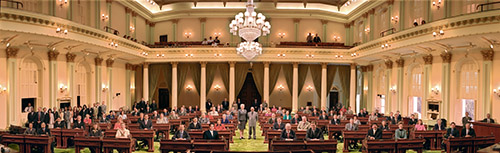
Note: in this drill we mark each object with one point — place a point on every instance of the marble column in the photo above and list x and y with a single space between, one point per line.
351 33
325 24
134 24
98 81
69 11
295 87
127 20
296 25
388 85
324 91
266 81
352 93
145 83
369 97
97 14
365 18
152 33
347 38
486 83
372 24
364 95
203 86
148 33
128 80
174 29
429 11
399 88
447 8
174 84
390 4
402 18
12 77
202 25
445 84
426 83
70 67
53 77
109 65
52 7
232 96
108 8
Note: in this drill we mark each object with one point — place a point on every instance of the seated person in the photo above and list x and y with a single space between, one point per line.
351 126
272 120
439 125
314 133
213 112
122 132
296 119
141 118
342 116
95 131
103 118
154 115
211 134
335 120
384 126
43 130
267 112
287 115
468 132
278 125
78 124
30 130
87 119
413 120
59 124
400 133
288 133
219 126
307 110
181 134
195 125
452 132
373 117
304 124
204 119
420 126
356 120
118 124
111 116
173 116
315 113
135 112
361 113
391 119
374 133
162 119
225 120
146 124
488 119
323 116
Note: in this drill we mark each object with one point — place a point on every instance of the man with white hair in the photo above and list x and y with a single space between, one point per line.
253 117
304 124
288 134
242 119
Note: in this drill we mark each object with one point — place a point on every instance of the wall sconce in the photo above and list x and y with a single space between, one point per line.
385 46
395 19
104 17
113 44
281 87
217 34
63 2
189 88
160 55
104 88
62 88
309 55
336 38
60 30
435 90
495 91
281 35
393 89
354 54
435 34
3 89
339 56
309 88
187 35
217 87
189 55
438 4
132 29
145 54
218 55
367 30
281 55
365 88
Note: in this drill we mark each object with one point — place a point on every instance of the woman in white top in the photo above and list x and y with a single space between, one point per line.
213 112
162 119
51 119
122 132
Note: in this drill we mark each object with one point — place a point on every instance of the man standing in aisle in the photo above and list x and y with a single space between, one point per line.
225 104
102 108
253 117
242 120
142 105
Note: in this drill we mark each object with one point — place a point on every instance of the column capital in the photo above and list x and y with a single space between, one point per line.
145 64
134 14
175 21
98 61
446 56
324 22
388 64
266 63
364 68
324 65
109 1
353 65
109 62
203 63
371 12
11 52
232 63
296 20
134 67
365 15
53 55
128 10
203 20
70 57
152 24
389 2
347 25
174 64
428 59
400 62
369 68
488 54
128 66
295 64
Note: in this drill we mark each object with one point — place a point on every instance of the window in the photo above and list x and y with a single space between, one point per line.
382 104
468 106
469 79
416 106
381 90
29 79
415 94
81 84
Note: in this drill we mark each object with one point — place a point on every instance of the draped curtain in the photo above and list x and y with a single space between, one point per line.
288 71
183 70
241 70
345 75
316 76
167 75
224 73
154 74
330 75
303 68
195 69
211 71
274 72
258 76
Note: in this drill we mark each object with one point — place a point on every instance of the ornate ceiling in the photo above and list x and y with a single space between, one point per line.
328 2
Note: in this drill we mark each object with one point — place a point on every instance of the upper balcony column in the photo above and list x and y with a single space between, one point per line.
134 24
202 25
347 27
402 19
372 23
296 23
127 20
174 29
325 24
365 18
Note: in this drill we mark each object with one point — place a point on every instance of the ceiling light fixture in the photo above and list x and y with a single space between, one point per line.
354 54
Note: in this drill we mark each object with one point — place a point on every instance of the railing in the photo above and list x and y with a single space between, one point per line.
392 30
109 29
486 4
11 2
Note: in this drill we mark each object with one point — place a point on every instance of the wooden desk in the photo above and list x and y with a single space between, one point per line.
349 136
329 146
455 143
14 139
282 145
435 137
57 134
379 145
67 134
175 145
489 149
332 129
45 142
271 134
220 145
147 135
93 143
414 144
122 145
483 142
486 129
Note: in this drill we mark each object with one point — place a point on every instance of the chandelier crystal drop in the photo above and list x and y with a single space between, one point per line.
249 26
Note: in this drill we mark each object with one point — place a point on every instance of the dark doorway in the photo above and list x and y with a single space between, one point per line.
163 98
26 101
77 100
249 92
334 98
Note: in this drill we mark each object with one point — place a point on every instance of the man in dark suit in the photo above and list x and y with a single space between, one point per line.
43 130
413 120
194 125
153 105
39 117
288 133
391 119
279 125
30 130
384 126
314 133
79 123
208 105
468 131
323 116
488 119
374 133
211 134
225 104
181 134
335 120
31 117
452 132
256 104
59 124
142 105
135 112
146 124
296 119
439 126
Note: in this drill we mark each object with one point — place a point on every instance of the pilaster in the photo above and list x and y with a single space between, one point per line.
70 61
109 65
174 29
388 85
266 81
202 25
203 87
372 24
174 84
426 84
296 25
369 97
52 77
98 80
145 83
486 82
324 29
399 88
12 70
324 91
295 87
445 84
232 96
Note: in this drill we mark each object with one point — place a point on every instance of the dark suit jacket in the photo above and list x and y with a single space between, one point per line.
177 135
277 126
31 117
486 120
295 121
29 131
225 105
472 132
391 119
40 115
386 127
317 134
45 131
80 125
192 126
146 125
323 117
455 133
413 121
271 120
96 133
377 134
207 135
335 122
135 113
61 125
284 135
436 127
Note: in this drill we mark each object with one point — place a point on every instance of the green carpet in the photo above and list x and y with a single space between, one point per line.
238 145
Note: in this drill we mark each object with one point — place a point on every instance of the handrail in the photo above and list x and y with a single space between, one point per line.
107 29
14 2
385 31
482 5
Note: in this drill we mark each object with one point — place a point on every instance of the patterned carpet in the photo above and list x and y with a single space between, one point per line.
238 145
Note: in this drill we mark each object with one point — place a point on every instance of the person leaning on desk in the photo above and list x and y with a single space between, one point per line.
288 134
400 133
181 134
313 133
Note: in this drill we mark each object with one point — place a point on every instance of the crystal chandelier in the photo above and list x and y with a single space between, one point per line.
249 26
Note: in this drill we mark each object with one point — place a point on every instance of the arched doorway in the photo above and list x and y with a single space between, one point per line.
249 92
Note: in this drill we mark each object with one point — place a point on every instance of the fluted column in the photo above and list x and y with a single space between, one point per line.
325 24
134 24
145 83
231 83
323 84
69 11
127 20
352 93
202 26
445 84
174 29
266 81
372 23
426 83
364 95
97 14
365 18
148 32
174 84
296 25
486 82
108 8
295 87
109 65
388 85
390 3
152 33
128 80
70 60
98 81
399 88
12 70
52 77
369 96
347 38
203 86
402 18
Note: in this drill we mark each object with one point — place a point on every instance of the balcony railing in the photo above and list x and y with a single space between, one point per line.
11 3
385 32
486 4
